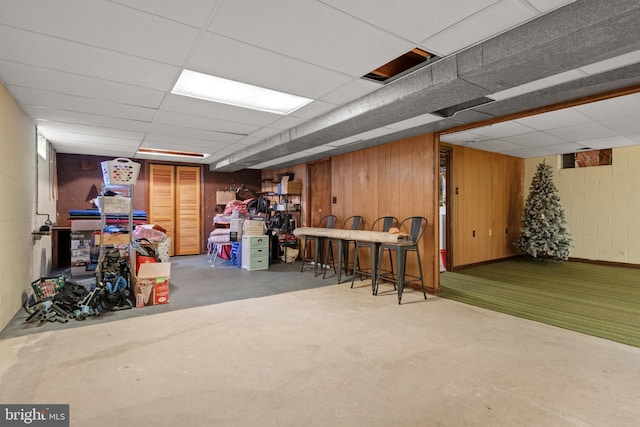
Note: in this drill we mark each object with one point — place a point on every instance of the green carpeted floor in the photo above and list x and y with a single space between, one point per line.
592 299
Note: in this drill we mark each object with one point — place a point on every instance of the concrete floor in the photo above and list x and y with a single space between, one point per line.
323 356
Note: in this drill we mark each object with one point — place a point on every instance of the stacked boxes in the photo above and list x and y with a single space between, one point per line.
83 246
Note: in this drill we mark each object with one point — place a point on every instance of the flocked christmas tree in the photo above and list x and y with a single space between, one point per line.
544 234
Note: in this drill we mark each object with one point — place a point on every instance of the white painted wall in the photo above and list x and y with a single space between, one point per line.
17 208
602 205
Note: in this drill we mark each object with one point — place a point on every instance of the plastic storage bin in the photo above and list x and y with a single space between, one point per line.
120 171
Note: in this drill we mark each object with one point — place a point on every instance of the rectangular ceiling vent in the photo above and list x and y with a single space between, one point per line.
410 61
451 111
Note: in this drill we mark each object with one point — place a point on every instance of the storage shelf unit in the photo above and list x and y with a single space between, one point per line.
114 207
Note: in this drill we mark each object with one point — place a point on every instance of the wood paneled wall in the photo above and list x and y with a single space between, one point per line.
396 179
401 179
487 199
80 180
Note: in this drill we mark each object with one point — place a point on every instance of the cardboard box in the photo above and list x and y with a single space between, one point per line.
113 204
224 197
82 248
289 187
151 282
113 239
85 225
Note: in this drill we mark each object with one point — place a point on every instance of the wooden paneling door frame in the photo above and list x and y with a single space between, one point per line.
175 202
162 199
188 202
319 193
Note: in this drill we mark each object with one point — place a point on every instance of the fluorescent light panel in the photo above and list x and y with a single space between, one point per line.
230 92
171 153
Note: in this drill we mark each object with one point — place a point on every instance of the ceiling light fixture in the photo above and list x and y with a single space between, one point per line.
173 153
230 92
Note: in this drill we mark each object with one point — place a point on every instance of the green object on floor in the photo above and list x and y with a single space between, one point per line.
602 301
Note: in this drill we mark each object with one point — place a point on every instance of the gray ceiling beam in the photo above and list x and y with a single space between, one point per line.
578 34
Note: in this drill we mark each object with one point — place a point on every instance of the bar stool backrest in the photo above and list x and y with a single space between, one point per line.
328 221
418 225
384 223
353 223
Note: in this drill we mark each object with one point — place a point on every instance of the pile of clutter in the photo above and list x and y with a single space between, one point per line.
58 299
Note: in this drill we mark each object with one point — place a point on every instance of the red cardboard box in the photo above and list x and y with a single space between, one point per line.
151 283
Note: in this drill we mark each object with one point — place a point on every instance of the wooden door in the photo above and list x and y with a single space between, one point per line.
174 203
187 210
319 196
162 199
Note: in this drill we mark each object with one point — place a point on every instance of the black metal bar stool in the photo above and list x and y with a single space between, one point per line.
342 245
317 244
417 226
384 223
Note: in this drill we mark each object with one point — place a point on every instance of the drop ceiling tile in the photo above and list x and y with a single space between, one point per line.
310 31
313 109
216 110
265 132
503 130
351 91
494 145
81 140
57 127
62 55
191 12
489 22
184 120
28 76
566 147
33 97
582 132
48 114
179 141
534 139
414 20
182 147
610 142
239 61
554 119
612 108
624 125
95 150
463 137
635 137
527 153
206 135
92 22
